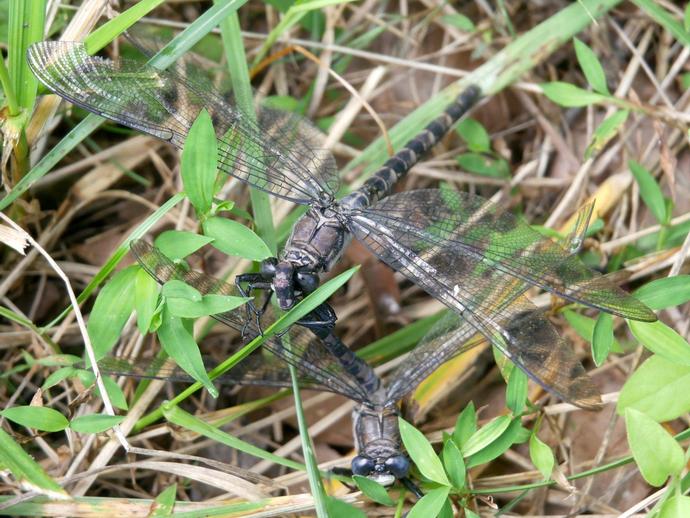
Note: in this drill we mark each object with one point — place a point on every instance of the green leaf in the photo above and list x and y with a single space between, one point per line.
180 345
454 464
111 310
465 425
650 191
608 129
430 504
339 509
656 453
459 21
233 238
38 417
659 388
177 289
422 453
665 292
678 506
199 162
570 96
373 490
26 470
516 391
591 67
95 423
541 455
165 503
469 513
211 304
686 18
117 397
484 165
602 338
486 435
145 299
474 134
56 377
662 340
513 434
177 244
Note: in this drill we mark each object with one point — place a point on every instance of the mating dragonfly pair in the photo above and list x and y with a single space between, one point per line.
474 257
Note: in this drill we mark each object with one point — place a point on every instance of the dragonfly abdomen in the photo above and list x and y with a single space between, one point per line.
381 183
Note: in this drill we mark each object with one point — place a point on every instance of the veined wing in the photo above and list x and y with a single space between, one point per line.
484 302
279 154
314 361
490 237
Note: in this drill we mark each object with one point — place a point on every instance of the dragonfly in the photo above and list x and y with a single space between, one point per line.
456 246
324 363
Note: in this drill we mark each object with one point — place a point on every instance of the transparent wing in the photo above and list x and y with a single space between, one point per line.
487 237
314 361
279 154
485 301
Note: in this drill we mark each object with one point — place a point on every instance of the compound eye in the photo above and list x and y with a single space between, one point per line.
269 265
398 465
362 466
307 281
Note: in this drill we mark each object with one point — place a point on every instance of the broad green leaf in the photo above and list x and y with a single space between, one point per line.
465 425
26 470
484 165
111 310
447 510
373 490
56 377
469 513
514 434
165 503
571 96
584 326
145 299
178 244
430 504
474 134
459 21
606 131
486 435
422 453
591 67
662 340
665 292
656 453
211 304
678 506
233 238
516 391
454 464
180 345
649 191
176 289
95 423
602 338
199 162
686 17
659 388
38 417
339 509
541 455
117 397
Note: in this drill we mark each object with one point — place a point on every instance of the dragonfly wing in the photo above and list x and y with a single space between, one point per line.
279 154
491 237
314 361
485 301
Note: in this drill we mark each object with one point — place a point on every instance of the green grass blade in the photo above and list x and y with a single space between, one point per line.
241 86
113 28
26 20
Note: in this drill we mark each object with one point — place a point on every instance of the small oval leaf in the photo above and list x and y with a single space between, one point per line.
662 340
541 455
178 244
486 435
422 453
199 162
656 453
233 238
38 417
373 490
569 95
666 292
602 338
176 289
95 423
649 191
454 464
591 67
212 304
430 504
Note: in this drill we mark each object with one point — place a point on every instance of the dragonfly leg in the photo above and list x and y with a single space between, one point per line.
320 321
412 487
253 281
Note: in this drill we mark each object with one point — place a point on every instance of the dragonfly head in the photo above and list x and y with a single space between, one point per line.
385 471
